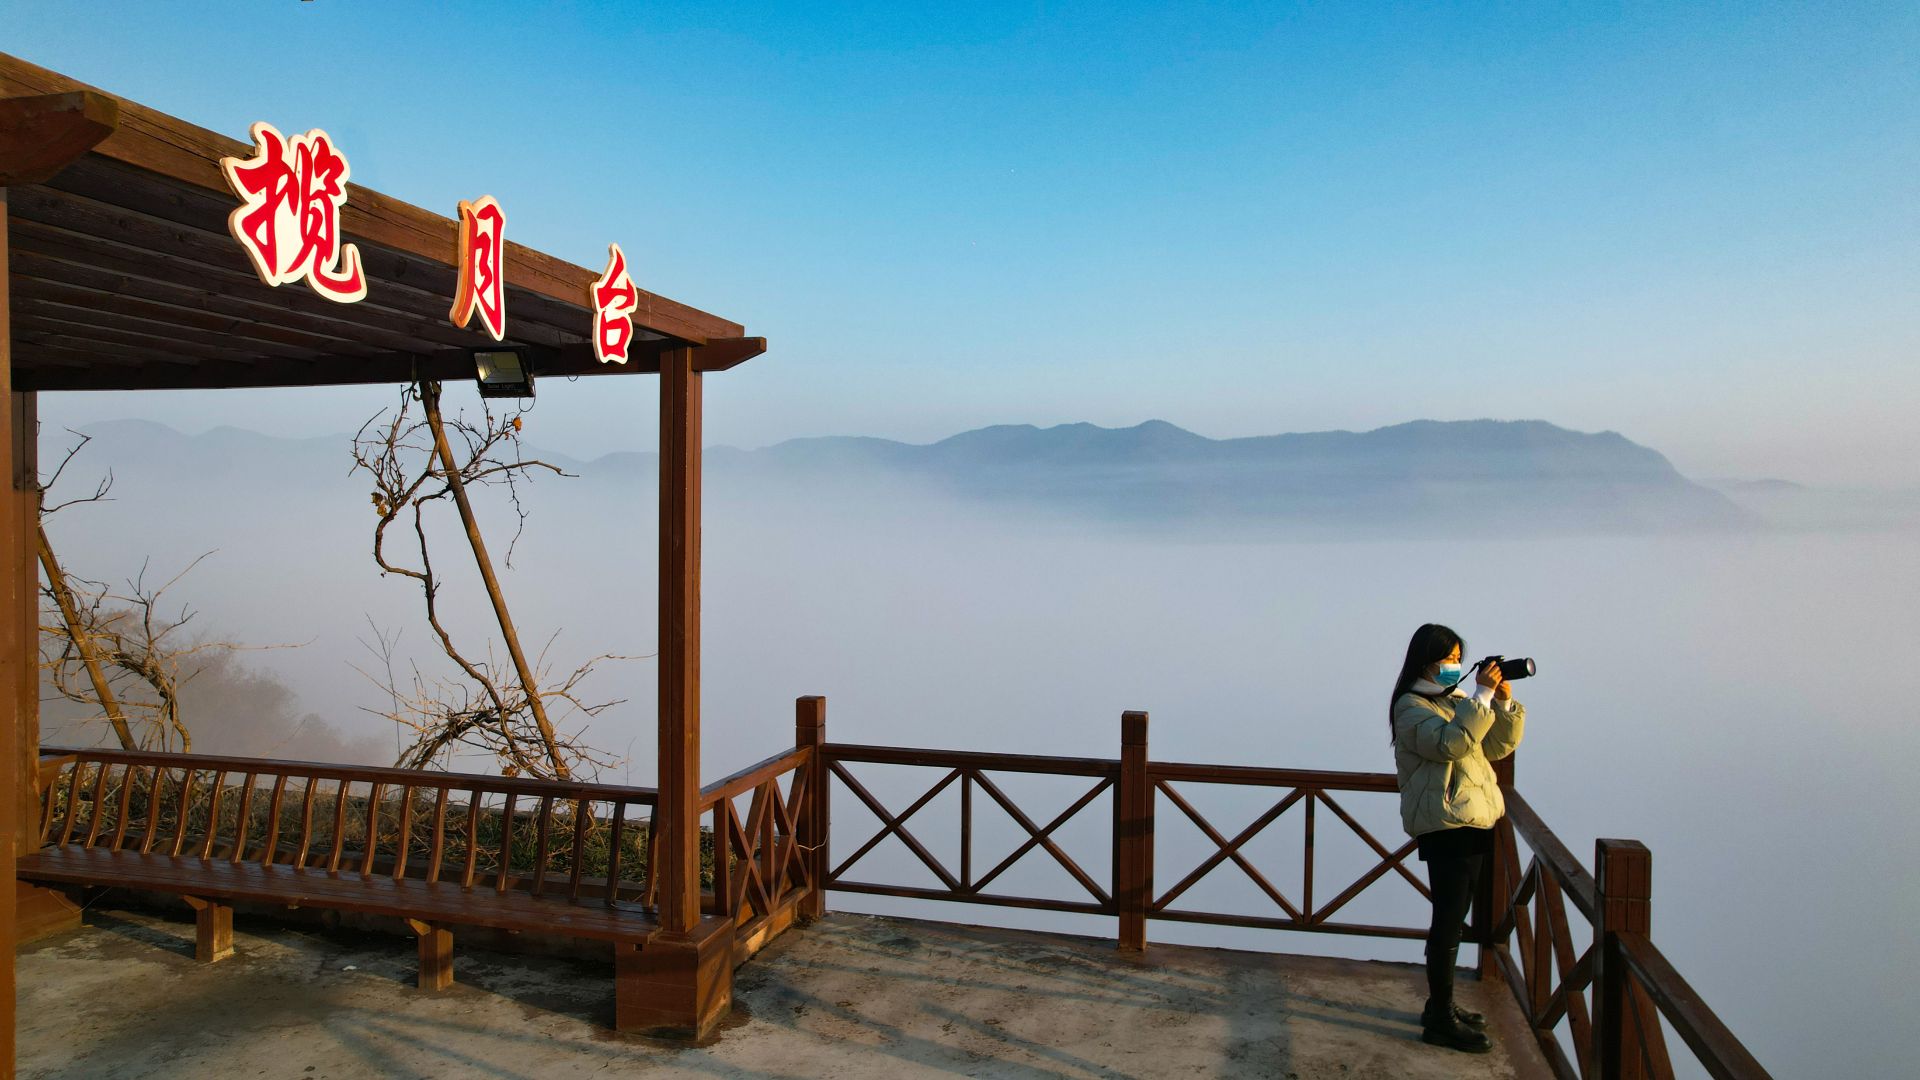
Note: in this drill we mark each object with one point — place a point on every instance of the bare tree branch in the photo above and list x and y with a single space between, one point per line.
100 490
130 655
489 709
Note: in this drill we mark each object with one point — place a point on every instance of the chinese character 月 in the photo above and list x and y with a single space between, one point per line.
482 288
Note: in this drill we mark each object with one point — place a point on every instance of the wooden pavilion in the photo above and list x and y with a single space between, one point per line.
117 272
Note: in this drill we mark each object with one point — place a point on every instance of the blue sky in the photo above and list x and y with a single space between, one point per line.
1694 224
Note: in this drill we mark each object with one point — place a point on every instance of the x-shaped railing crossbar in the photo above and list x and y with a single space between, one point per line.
965 883
1304 913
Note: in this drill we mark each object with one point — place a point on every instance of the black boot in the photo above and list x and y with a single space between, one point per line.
1442 1023
1441 1027
1468 1017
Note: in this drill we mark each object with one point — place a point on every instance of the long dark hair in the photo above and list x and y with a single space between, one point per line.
1431 644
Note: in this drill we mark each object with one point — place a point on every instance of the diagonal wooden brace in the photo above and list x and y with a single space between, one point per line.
213 929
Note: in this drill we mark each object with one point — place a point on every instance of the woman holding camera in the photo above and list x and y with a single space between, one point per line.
1444 743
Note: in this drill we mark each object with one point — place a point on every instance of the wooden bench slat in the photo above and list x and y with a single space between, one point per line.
339 826
578 857
182 814
213 814
379 895
404 844
243 821
372 843
153 807
73 800
306 823
270 844
540 846
613 851
126 807
506 845
99 796
439 835
473 836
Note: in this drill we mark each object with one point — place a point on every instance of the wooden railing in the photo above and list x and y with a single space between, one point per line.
765 864
970 771
1306 790
474 830
1521 919
513 833
1136 786
1605 999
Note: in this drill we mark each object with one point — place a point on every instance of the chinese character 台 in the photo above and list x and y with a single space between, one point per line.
614 299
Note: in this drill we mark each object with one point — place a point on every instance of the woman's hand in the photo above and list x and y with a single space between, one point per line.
1503 692
1490 676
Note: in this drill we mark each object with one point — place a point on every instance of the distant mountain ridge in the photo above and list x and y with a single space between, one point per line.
1492 476
1536 474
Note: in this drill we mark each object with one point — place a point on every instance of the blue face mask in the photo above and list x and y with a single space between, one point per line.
1448 675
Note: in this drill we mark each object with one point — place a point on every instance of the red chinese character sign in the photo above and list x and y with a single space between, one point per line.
291 191
482 289
614 299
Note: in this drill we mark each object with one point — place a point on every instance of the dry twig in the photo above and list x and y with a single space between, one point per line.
490 708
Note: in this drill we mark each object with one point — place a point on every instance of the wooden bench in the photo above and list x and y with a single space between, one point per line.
436 850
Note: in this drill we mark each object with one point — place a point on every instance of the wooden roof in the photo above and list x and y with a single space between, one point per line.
124 276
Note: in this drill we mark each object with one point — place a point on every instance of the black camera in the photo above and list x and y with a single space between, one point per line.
1519 667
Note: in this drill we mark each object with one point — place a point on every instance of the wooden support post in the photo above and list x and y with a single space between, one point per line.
676 822
1623 880
436 954
677 985
682 981
1497 885
810 730
212 929
19 676
26 582
1133 834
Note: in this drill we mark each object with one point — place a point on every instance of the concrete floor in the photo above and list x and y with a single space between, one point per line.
851 996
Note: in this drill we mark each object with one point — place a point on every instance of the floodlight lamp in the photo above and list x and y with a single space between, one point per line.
503 373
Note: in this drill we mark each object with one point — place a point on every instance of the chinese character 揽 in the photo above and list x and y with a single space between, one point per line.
482 289
291 192
614 299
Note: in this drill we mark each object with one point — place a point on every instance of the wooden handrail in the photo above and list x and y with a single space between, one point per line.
754 775
1574 879
972 759
320 770
1719 1051
1264 777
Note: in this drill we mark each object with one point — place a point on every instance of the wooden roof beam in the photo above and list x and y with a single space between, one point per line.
132 370
40 134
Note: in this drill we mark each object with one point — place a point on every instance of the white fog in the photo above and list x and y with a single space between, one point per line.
1734 700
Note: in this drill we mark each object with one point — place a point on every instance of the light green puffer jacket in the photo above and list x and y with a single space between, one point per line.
1444 749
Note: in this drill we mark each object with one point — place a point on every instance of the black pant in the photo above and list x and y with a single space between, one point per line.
1455 880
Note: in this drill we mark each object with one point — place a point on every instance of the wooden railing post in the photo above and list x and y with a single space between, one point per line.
810 730
1133 834
1623 874
1497 886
